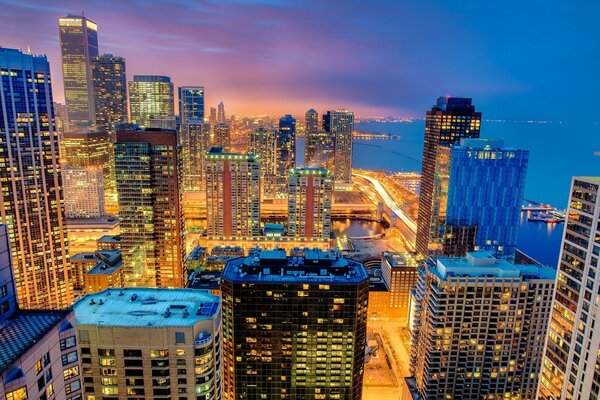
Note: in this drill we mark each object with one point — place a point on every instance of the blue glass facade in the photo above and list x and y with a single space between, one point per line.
486 188
191 103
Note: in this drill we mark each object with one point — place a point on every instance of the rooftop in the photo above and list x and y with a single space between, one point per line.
21 332
107 221
396 259
146 307
217 153
310 172
109 239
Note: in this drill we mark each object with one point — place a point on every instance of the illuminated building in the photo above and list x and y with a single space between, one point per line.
221 136
294 327
262 143
191 103
109 242
110 91
79 45
310 194
473 335
319 150
195 143
221 113
150 96
170 122
571 365
93 150
232 194
409 180
85 232
450 120
85 188
212 119
285 153
485 190
311 122
147 164
32 193
399 272
150 343
340 123
96 271
38 349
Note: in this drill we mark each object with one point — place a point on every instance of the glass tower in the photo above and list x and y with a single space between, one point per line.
191 103
31 182
110 91
150 96
340 123
285 157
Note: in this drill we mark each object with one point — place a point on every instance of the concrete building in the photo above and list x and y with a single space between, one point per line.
571 366
221 113
195 143
85 188
96 271
221 136
169 122
109 242
478 328
84 232
150 343
310 194
110 91
399 273
340 123
311 122
263 143
150 96
294 327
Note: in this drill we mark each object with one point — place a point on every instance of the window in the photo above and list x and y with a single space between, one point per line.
69 358
132 353
159 353
68 343
179 337
84 336
19 394
48 374
72 387
46 359
71 372
50 390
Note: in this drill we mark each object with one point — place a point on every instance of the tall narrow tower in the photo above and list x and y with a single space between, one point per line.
310 192
340 123
110 91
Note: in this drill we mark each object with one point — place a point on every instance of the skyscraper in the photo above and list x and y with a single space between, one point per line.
311 120
294 327
110 91
485 190
285 152
150 96
570 369
479 327
221 113
319 150
147 165
31 182
212 119
195 143
262 143
221 136
340 123
191 103
450 120
79 45
85 192
310 194
232 194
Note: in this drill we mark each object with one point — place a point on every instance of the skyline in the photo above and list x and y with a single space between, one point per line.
276 57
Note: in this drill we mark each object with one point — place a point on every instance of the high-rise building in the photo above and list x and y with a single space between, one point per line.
85 192
212 119
150 96
110 91
169 122
95 271
191 103
150 343
195 143
478 328
399 273
340 123
147 165
571 365
451 119
232 194
8 293
310 194
94 150
485 190
221 113
262 143
221 136
311 121
285 153
32 194
319 150
294 327
79 45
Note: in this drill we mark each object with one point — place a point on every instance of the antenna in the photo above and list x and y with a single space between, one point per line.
28 48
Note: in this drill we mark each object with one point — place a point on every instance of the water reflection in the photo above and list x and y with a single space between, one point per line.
353 228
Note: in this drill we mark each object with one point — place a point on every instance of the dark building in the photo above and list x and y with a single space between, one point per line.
110 91
285 149
294 327
450 120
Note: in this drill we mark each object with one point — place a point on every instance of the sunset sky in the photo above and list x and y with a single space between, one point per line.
517 59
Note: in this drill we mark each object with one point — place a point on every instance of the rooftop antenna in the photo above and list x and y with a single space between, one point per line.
28 48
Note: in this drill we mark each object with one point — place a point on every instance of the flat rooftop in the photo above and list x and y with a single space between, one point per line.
107 221
396 259
22 331
146 307
109 239
106 261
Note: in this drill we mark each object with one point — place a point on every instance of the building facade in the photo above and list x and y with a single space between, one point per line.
191 103
110 91
294 327
150 96
263 143
31 182
450 120
340 123
195 143
221 136
319 150
571 366
473 335
310 195
151 218
221 113
399 273
85 188
311 122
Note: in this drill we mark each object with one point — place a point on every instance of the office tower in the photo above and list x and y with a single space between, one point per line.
485 190
262 143
38 349
310 194
110 91
319 150
85 192
94 150
399 272
78 45
571 360
31 182
150 96
285 153
147 165
191 103
451 119
311 120
232 194
169 122
221 136
221 113
303 324
473 335
195 139
150 343
212 119
341 124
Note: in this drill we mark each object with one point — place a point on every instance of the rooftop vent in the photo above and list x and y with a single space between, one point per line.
134 297
167 314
